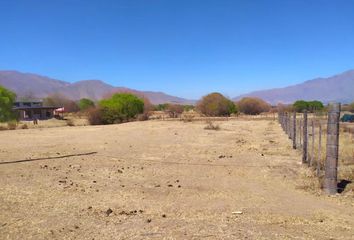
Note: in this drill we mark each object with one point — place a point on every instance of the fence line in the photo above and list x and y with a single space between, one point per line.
306 129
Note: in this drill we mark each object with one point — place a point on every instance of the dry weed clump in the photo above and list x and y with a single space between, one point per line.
12 125
24 126
308 181
70 122
187 118
2 128
211 126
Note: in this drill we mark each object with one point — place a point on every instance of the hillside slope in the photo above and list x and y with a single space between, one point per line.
336 88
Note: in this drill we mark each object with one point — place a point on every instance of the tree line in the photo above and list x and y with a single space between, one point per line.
124 107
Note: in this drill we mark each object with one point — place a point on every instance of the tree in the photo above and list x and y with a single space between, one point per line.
7 99
253 106
121 107
58 100
85 104
215 104
311 106
300 105
315 106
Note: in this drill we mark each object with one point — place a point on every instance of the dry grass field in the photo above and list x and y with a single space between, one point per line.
164 180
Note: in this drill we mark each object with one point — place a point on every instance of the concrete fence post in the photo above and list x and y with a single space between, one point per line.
294 130
331 163
304 135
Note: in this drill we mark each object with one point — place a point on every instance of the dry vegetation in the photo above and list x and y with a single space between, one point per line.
163 180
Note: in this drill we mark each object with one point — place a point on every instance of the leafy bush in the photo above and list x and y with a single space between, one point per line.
121 107
215 104
253 106
85 104
7 99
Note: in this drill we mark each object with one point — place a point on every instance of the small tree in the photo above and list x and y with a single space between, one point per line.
85 104
253 106
175 109
7 99
121 107
215 104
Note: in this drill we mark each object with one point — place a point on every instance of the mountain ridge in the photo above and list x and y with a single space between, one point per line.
34 85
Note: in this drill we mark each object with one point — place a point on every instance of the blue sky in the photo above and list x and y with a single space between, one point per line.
182 47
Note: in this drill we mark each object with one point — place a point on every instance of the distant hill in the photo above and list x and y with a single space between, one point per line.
336 88
28 84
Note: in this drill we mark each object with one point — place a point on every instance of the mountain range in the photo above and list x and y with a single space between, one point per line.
335 88
36 86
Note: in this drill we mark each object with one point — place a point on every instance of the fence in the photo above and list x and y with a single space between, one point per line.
319 138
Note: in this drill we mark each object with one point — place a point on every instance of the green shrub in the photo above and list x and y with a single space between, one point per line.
121 107
215 104
253 106
85 104
7 99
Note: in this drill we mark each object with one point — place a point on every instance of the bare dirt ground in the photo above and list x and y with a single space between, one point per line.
162 180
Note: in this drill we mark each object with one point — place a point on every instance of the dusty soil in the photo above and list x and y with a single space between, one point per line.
162 180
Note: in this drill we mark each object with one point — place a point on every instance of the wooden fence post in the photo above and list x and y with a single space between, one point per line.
286 123
331 163
304 135
289 126
313 144
300 134
294 130
319 158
